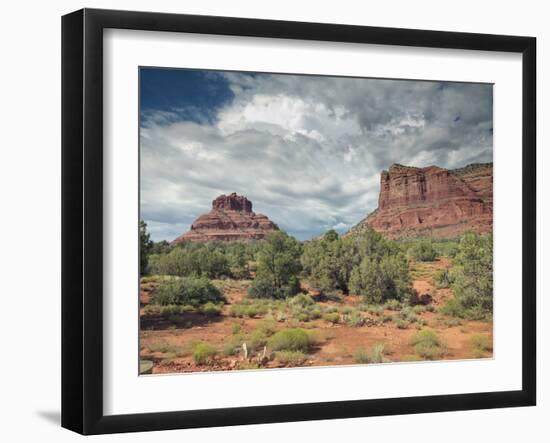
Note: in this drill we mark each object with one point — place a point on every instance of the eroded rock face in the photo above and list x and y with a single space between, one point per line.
433 201
231 218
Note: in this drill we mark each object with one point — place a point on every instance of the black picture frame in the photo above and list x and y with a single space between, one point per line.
82 218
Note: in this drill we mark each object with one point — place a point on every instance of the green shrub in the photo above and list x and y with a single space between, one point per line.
316 336
379 281
328 263
232 346
199 260
249 309
278 266
472 279
331 235
376 310
290 358
264 288
267 326
235 328
166 311
302 300
375 355
290 340
203 353
423 250
452 322
446 248
248 365
332 296
303 308
361 356
187 291
170 350
211 309
401 324
443 278
169 310
428 345
355 319
149 279
408 314
145 246
393 305
346 310
151 310
419 309
256 340
332 317
481 343
455 308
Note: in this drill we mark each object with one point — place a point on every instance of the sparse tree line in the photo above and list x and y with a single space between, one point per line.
365 264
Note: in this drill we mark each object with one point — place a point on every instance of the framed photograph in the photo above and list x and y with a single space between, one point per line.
268 221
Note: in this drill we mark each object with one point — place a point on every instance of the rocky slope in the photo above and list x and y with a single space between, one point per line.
433 201
231 218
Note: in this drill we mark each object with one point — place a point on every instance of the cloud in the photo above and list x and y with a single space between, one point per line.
307 151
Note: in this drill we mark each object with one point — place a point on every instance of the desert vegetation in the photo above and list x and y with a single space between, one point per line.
278 302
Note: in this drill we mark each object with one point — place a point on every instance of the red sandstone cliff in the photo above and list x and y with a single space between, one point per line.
231 218
433 201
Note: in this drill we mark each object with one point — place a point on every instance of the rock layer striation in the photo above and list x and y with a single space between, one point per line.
433 202
231 218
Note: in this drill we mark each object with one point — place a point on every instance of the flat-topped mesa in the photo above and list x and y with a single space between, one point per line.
433 201
231 218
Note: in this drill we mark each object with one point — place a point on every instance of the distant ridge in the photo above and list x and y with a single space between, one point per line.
432 201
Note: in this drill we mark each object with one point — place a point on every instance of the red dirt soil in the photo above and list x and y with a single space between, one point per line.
338 342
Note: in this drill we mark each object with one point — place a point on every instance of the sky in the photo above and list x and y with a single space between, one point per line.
306 150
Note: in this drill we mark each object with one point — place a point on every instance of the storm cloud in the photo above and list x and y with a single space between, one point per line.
306 150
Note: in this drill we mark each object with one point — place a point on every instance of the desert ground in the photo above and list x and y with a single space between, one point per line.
340 331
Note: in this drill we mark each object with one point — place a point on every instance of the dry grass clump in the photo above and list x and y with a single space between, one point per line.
290 358
428 345
376 354
481 344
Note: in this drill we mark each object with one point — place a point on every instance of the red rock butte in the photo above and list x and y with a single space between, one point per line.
231 218
433 201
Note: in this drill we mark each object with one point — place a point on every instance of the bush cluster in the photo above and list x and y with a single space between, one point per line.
383 280
290 358
294 339
213 260
181 261
203 353
192 291
428 345
278 268
472 278
376 354
481 344
365 264
423 250
444 278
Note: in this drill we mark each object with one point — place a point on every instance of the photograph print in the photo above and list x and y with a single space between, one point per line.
294 220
